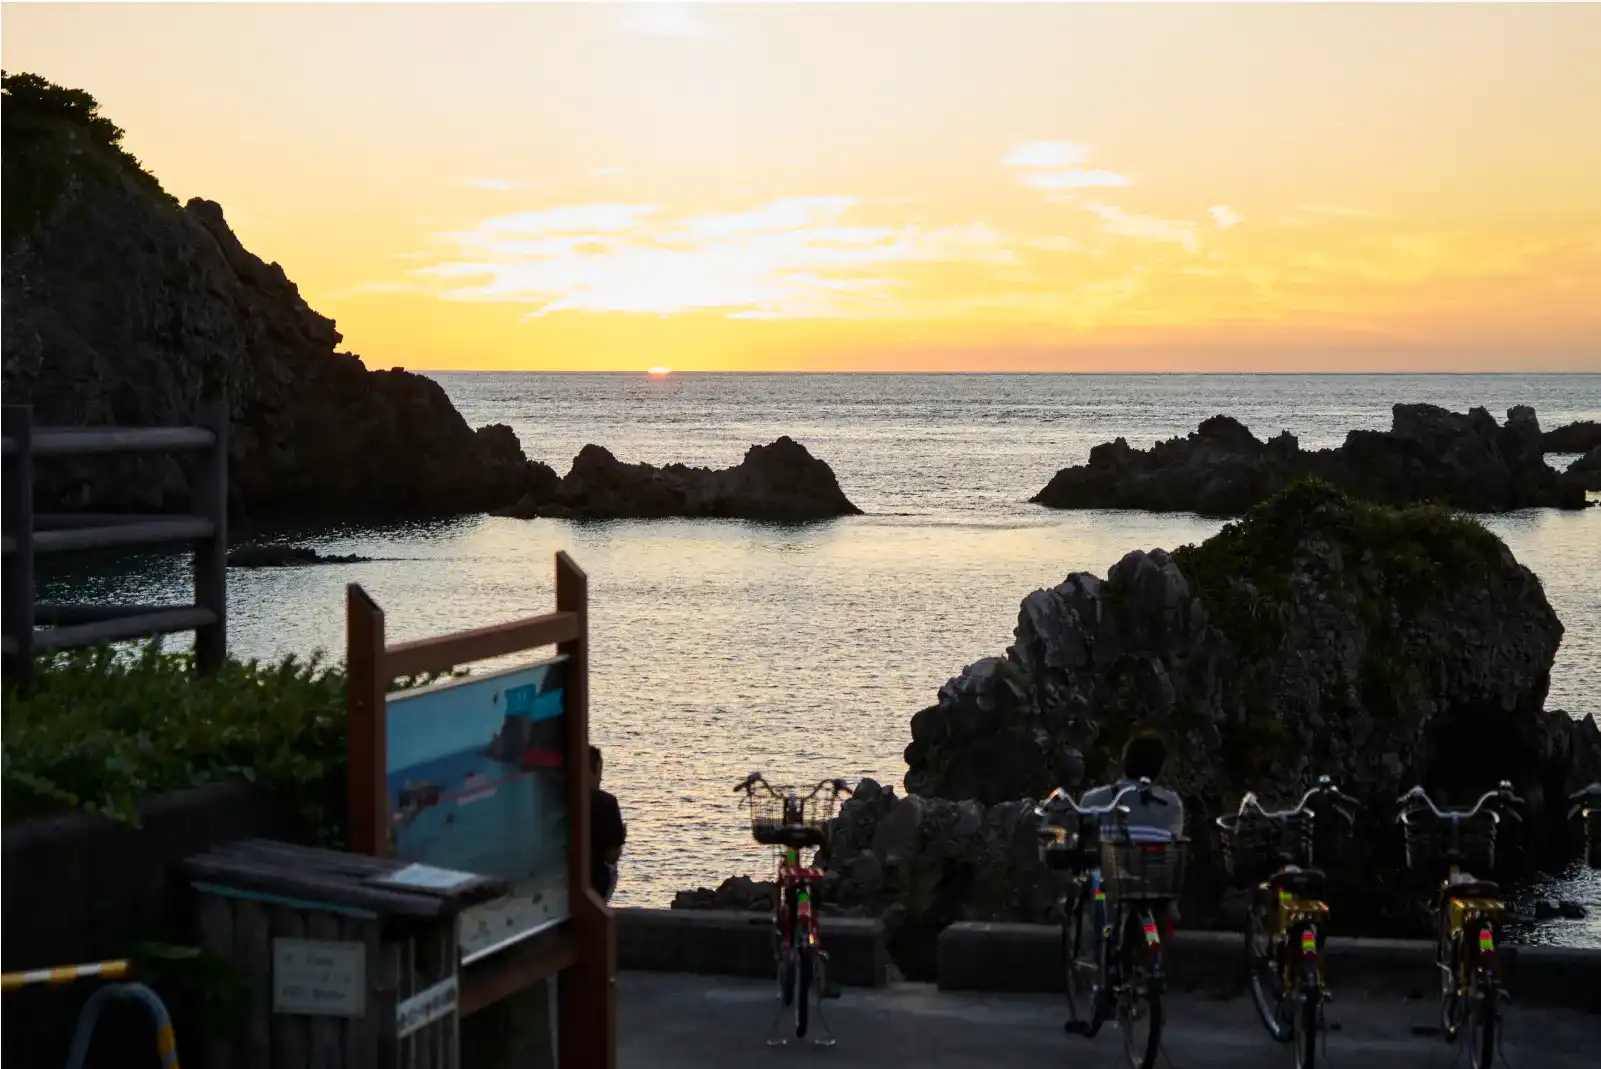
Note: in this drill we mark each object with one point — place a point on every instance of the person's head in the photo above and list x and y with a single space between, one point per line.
594 762
1144 755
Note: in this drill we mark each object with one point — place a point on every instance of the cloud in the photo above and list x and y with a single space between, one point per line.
1046 154
1224 216
1115 220
500 185
609 172
798 256
668 20
1058 180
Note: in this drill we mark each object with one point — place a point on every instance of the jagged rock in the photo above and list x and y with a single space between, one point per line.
263 556
1580 437
1586 471
781 481
1545 909
120 307
740 893
1429 454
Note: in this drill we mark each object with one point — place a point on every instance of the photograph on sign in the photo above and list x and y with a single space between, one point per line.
477 783
319 977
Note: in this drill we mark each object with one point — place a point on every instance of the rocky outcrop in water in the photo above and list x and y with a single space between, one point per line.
121 307
781 482
275 556
1319 635
1586 471
1429 455
1580 437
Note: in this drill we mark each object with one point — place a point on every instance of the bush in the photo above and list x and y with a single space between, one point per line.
98 730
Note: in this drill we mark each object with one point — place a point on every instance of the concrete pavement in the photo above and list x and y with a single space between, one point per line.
677 1021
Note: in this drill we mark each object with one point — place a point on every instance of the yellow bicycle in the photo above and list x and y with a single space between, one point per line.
1271 854
1468 911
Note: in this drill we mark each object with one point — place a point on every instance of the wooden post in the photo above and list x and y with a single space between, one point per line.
18 526
209 498
587 1028
366 684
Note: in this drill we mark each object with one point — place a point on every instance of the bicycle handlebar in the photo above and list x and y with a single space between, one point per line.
1343 803
1585 798
754 780
1060 799
1417 798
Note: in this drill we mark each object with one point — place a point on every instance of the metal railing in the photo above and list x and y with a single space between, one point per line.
31 627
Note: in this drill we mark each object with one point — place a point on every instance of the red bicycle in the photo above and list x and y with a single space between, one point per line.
782 817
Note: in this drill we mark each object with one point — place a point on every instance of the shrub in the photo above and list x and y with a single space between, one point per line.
97 730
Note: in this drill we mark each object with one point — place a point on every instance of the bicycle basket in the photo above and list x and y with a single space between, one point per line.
1433 844
1133 871
1256 847
779 819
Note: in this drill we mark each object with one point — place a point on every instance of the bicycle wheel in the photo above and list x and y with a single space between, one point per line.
1075 951
1263 976
1139 1005
1450 996
1482 1024
1304 1022
786 954
803 989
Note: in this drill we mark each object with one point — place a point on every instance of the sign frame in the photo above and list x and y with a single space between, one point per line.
581 952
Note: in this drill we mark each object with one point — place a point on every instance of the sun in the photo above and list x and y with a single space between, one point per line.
659 372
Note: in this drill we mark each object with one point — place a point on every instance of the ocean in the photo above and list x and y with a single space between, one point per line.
721 647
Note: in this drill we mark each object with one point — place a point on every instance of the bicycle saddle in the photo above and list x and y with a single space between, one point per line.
794 836
1472 889
1298 881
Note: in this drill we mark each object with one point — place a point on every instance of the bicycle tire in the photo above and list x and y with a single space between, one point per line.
1450 1001
1138 989
1259 977
1073 982
1482 1026
1304 1028
786 952
803 990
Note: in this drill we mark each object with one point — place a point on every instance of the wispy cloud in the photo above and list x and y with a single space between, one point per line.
1047 155
1075 179
1115 220
499 185
799 256
1224 216
609 172
669 20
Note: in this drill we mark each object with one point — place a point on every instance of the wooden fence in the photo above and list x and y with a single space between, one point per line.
26 533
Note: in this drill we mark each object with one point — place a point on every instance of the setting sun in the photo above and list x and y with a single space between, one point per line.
659 371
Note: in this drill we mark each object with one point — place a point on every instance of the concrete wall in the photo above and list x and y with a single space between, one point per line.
741 944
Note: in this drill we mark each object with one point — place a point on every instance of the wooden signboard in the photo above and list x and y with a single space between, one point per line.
581 949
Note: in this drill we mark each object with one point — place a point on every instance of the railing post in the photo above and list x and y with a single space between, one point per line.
17 600
209 498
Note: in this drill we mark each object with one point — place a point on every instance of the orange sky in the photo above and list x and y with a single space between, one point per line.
902 187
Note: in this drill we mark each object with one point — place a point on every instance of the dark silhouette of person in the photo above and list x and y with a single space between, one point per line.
607 833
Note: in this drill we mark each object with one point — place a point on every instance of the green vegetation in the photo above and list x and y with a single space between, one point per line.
51 135
98 730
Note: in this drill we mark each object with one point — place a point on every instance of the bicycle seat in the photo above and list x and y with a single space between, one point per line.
1472 889
1300 882
794 836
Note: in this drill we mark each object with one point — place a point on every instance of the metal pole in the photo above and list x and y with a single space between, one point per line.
17 599
209 497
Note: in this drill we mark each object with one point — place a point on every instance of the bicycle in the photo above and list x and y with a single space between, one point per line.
1468 911
1124 951
783 818
1270 852
1587 808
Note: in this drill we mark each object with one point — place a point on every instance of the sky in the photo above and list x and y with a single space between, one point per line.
901 187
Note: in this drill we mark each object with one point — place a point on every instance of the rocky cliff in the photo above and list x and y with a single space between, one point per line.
1318 635
1428 455
121 307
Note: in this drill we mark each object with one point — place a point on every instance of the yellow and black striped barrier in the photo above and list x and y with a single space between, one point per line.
66 974
166 1040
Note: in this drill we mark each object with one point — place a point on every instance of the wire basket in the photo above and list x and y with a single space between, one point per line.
787 819
1255 848
1133 871
1433 844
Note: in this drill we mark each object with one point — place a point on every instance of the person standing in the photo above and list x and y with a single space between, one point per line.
607 833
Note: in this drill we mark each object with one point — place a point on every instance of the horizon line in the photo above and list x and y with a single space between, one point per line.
644 373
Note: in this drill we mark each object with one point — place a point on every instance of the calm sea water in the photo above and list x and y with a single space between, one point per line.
722 646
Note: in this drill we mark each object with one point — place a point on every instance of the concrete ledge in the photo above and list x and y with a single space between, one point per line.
741 944
1027 957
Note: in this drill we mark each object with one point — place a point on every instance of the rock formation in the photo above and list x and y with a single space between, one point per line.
1319 635
1580 437
120 307
1585 472
781 482
276 556
1428 455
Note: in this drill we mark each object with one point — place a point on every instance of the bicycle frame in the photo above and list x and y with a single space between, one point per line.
1295 923
794 889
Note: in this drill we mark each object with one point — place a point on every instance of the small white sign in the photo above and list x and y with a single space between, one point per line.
427 877
426 1007
319 977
